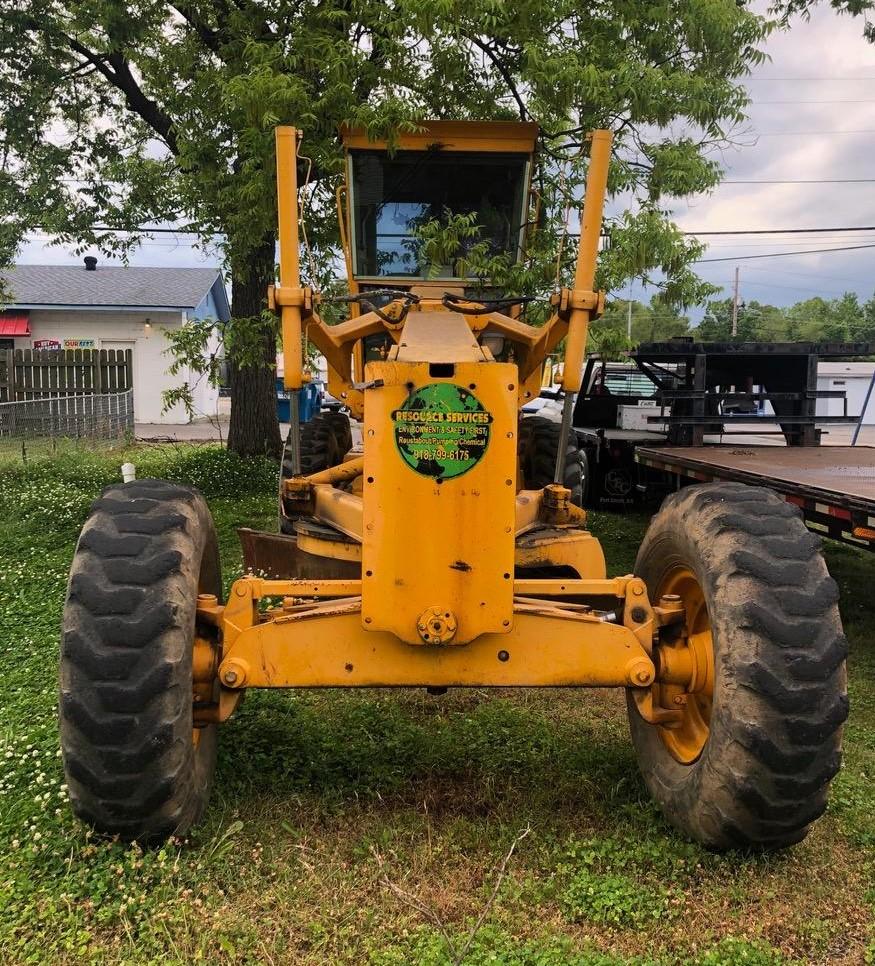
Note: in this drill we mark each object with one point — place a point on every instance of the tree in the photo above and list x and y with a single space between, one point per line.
716 326
656 322
835 320
124 115
865 330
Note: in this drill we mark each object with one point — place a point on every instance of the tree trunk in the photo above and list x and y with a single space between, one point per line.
254 429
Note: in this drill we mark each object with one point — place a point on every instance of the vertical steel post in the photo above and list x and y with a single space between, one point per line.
290 273
290 278
863 410
587 252
584 280
734 329
564 434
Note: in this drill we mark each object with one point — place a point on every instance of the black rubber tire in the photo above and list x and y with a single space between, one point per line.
537 445
325 440
780 693
132 768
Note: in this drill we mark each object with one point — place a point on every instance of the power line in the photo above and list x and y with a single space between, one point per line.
771 242
805 181
779 231
784 271
855 100
785 288
848 78
148 229
810 251
793 134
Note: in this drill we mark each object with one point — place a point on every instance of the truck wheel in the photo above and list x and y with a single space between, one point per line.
750 762
134 762
325 440
538 442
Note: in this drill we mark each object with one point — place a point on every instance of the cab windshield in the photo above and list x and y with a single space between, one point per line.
393 197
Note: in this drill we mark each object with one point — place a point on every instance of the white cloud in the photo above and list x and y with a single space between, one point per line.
823 60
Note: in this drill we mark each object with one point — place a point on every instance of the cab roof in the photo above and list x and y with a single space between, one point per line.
508 137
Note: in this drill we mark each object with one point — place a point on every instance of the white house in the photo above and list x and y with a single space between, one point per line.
852 378
98 306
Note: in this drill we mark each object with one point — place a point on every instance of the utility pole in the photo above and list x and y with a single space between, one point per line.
735 306
629 317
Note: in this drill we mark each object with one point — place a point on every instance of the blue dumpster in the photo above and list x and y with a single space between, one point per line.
309 402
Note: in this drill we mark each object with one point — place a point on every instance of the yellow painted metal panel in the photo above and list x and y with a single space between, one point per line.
508 136
542 650
287 208
439 496
587 252
438 336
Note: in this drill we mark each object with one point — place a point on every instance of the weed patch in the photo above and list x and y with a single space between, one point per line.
323 797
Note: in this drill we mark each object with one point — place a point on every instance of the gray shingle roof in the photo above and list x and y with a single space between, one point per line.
109 285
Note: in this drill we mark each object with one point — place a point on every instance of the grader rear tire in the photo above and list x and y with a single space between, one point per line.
751 763
325 440
135 765
538 443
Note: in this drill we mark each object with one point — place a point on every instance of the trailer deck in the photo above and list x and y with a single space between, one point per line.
833 485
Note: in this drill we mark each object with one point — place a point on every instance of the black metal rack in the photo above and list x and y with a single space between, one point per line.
697 380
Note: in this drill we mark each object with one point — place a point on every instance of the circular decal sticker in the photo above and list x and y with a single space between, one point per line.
442 430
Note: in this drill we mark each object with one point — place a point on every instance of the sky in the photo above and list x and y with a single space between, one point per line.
812 118
820 79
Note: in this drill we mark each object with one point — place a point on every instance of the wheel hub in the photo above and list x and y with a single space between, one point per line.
686 670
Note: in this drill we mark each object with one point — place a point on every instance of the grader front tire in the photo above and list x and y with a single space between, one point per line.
772 737
135 765
538 444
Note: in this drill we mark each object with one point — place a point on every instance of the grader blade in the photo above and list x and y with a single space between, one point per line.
278 556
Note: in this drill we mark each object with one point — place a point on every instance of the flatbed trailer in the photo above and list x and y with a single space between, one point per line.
834 486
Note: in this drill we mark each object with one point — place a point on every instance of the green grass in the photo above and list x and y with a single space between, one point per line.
371 827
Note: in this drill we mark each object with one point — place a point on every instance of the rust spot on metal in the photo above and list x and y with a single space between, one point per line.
460 565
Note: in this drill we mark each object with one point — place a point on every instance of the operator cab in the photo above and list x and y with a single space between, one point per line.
421 211
400 195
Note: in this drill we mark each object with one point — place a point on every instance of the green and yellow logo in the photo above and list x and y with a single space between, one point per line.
442 430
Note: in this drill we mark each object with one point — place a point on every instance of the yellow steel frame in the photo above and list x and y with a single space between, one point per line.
358 632
317 639
573 308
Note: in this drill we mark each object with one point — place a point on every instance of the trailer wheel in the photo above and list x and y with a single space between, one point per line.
538 442
325 440
134 762
750 763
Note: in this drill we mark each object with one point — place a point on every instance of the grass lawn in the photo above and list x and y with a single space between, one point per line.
372 827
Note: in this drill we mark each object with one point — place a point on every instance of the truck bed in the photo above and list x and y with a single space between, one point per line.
834 485
593 433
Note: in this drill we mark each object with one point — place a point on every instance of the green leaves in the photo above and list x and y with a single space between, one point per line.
155 112
647 246
438 242
841 319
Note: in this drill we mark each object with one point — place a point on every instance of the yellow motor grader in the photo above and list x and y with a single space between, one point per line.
449 548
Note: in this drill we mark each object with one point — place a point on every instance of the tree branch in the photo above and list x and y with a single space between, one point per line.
140 104
115 69
208 36
506 75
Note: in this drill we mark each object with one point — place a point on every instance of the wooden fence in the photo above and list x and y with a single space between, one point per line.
32 374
